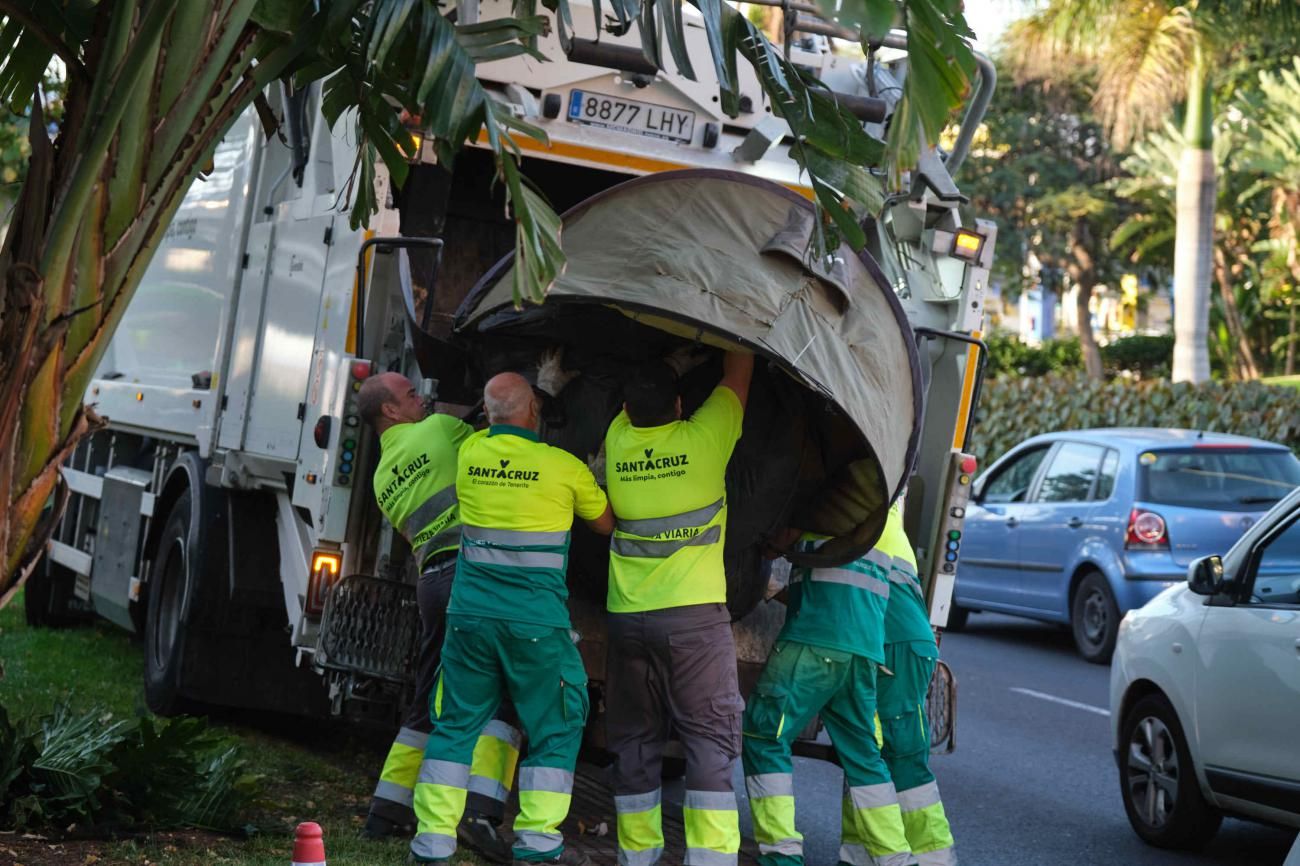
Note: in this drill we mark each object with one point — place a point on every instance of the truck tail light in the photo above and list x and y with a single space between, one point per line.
1146 531
321 433
325 568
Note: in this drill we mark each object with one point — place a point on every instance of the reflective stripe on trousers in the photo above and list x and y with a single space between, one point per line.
712 828
872 827
440 797
926 825
771 801
496 754
640 828
401 767
544 797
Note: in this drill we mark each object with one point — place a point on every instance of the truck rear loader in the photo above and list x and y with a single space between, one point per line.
226 512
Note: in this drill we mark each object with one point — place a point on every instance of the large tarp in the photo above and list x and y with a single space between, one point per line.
721 258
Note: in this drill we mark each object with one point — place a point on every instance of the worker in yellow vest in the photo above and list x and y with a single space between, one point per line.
415 488
672 658
508 628
904 733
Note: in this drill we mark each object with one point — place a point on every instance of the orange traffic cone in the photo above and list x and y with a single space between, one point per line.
308 845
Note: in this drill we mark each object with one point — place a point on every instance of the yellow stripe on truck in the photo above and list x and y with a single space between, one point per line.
612 159
350 345
967 391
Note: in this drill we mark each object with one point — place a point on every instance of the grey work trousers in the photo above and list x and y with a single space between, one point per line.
672 669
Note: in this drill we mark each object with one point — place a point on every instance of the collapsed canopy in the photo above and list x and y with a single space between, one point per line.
719 258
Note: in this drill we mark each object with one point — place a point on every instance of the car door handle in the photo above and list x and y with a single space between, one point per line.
1012 522
1074 522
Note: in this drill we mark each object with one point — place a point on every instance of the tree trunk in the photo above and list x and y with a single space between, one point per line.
1245 355
1083 273
87 222
1290 336
1194 239
1087 340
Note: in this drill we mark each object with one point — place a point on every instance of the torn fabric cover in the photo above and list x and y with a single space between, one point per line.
716 259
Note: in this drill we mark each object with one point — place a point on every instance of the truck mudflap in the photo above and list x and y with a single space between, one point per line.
370 626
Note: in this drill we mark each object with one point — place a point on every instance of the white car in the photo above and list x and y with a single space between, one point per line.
1205 691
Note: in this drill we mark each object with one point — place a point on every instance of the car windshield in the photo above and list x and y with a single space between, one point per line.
1223 479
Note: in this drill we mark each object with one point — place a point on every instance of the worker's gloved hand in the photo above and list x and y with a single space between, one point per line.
687 358
596 463
551 375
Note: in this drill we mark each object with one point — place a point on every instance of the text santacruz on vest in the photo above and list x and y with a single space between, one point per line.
503 472
403 474
651 462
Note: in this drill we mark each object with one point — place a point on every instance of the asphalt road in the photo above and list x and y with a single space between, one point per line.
1032 782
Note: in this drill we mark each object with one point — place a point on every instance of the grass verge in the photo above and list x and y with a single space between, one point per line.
311 770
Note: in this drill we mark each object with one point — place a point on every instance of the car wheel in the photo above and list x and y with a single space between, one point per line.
1094 619
1158 782
957 617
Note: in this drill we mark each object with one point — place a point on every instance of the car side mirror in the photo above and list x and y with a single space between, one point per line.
1205 575
977 490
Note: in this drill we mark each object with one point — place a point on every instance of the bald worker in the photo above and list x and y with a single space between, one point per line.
508 627
415 486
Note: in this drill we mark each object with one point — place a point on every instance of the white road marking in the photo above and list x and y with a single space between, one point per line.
1043 696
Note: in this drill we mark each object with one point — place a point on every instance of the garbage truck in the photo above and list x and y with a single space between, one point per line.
225 513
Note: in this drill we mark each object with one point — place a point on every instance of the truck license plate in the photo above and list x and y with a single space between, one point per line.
627 115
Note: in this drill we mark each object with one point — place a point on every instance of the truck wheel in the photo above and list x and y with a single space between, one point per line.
48 596
171 587
1094 619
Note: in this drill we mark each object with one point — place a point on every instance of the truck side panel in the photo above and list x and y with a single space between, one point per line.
166 358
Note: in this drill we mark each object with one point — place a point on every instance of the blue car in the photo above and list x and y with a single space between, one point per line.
1079 527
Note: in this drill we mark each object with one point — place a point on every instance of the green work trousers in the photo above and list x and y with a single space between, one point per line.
905 738
538 667
799 682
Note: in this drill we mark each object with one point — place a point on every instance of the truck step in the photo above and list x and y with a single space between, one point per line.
370 626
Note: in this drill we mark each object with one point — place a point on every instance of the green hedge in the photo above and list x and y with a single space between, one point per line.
1148 356
1012 409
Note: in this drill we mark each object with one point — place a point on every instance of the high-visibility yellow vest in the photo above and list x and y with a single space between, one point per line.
415 482
667 485
517 499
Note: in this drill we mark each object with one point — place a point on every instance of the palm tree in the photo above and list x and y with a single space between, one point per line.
153 85
1153 56
1148 235
1272 153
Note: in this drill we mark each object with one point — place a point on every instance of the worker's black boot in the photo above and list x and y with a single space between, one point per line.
568 857
479 833
379 827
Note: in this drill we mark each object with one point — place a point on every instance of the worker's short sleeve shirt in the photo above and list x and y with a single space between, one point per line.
525 494
658 477
840 608
417 463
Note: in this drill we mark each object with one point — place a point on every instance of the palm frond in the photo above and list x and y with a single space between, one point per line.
1145 70
32 33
